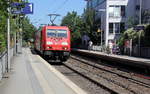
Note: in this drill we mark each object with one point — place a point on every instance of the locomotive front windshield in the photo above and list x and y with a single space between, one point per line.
56 33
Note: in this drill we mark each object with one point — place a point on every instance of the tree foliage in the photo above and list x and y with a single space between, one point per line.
92 25
81 25
134 35
28 30
75 24
89 18
3 20
146 37
14 26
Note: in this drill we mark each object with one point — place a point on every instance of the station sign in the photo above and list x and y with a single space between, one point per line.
28 9
22 8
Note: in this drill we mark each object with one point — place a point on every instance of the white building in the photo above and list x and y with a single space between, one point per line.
115 15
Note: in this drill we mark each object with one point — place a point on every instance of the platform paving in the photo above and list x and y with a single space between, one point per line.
29 75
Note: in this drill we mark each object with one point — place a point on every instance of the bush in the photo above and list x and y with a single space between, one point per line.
2 43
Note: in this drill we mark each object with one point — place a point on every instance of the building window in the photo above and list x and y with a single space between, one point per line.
95 3
116 28
137 7
111 26
122 27
111 11
117 11
123 11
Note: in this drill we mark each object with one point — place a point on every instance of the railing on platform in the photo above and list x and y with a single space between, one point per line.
4 62
96 48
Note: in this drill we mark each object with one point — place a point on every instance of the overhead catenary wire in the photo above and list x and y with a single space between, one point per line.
61 6
53 17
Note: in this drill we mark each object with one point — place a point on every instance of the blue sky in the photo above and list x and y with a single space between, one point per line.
44 7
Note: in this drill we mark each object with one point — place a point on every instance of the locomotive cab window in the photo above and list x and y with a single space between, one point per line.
56 33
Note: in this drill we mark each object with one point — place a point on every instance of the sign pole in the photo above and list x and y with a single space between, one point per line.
8 39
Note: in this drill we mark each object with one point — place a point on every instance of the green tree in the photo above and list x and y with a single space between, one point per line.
134 35
131 22
91 25
28 30
146 37
75 24
89 19
3 20
81 25
14 25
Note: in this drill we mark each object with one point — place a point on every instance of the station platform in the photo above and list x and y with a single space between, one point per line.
135 61
30 74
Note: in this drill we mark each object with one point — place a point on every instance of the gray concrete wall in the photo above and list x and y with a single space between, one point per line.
146 4
130 11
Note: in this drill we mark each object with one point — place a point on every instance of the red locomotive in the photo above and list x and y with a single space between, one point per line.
53 42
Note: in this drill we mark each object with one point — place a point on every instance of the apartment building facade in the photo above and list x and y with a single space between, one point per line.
116 15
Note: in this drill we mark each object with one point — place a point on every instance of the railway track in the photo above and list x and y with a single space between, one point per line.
110 78
140 79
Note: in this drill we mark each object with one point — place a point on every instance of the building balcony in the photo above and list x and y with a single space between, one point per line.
117 19
117 2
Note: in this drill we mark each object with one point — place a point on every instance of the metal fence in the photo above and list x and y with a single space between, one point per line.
3 62
142 52
145 52
96 48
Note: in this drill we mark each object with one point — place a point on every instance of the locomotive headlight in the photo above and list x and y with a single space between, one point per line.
64 43
49 43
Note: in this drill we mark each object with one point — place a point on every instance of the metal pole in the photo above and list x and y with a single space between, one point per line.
102 10
140 43
130 47
21 41
17 40
15 44
140 13
20 34
8 39
101 33
101 38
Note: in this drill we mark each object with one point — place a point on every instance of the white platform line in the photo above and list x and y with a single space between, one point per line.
41 79
69 83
